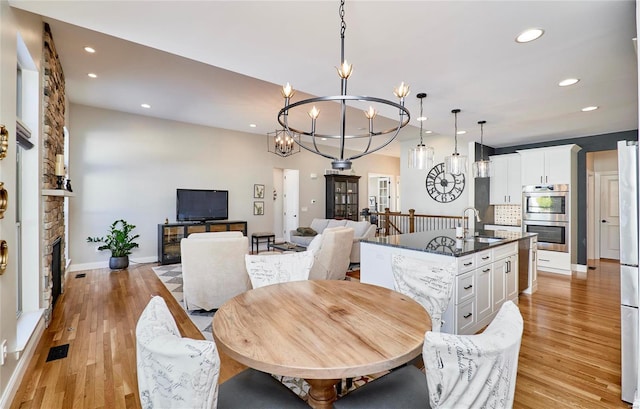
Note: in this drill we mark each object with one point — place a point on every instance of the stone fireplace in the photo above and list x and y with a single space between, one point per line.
52 143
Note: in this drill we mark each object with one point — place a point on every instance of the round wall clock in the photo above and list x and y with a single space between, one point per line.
444 187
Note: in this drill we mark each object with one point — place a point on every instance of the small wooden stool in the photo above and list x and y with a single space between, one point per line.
256 237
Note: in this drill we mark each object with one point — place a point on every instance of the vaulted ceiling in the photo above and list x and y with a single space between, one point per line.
221 63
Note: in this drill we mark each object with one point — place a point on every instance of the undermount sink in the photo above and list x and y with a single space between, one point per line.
485 239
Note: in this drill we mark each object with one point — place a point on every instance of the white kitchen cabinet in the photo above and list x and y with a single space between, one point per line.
533 266
548 166
484 306
505 276
505 184
512 278
499 282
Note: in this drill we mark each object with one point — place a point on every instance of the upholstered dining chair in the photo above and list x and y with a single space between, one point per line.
176 372
266 269
462 371
428 283
213 269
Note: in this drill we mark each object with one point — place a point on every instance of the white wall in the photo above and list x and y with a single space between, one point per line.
129 166
413 189
29 27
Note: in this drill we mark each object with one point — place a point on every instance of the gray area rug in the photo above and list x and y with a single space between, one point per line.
171 276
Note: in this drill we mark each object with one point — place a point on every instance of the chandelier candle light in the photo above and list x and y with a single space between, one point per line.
482 167
455 164
281 143
344 72
421 157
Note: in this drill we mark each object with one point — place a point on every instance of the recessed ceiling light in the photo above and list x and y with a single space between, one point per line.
568 81
591 108
428 131
253 125
90 50
421 118
146 106
462 132
324 139
529 35
92 75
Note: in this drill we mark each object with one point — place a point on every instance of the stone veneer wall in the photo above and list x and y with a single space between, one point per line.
52 144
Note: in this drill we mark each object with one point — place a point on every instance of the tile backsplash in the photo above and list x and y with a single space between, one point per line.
508 215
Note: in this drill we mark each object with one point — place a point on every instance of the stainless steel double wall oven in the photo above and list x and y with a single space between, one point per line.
546 211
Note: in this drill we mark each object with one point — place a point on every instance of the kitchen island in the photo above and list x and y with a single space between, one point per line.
486 266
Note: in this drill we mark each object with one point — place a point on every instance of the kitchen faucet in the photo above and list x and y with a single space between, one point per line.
466 229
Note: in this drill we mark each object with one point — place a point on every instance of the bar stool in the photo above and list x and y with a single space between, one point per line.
256 237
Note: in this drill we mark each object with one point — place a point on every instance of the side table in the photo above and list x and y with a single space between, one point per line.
256 237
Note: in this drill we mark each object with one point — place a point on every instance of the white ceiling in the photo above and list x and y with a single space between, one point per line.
221 63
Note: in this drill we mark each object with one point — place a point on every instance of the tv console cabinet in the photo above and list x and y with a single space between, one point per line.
170 234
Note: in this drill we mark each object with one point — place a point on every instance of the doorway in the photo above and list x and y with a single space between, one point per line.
603 237
286 202
385 189
609 216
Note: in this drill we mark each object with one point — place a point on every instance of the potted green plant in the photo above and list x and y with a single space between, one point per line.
120 241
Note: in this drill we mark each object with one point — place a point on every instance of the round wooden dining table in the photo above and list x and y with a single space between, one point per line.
322 331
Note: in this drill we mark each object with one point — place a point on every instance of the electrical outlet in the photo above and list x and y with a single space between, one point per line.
3 356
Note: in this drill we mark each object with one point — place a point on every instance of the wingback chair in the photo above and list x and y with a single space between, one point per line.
213 269
176 372
462 371
332 258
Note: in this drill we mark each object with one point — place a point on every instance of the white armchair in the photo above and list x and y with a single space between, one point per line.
176 372
332 258
213 268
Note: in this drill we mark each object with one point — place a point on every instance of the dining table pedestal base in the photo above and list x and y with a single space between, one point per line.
322 393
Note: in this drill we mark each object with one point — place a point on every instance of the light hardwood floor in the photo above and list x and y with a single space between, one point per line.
570 354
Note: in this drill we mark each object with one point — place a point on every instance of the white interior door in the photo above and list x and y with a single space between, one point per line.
384 193
609 217
291 204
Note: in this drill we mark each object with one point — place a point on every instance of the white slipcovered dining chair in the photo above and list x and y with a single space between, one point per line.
213 269
462 371
428 283
266 269
176 372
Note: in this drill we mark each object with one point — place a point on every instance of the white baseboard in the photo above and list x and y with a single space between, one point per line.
23 362
105 264
579 268
555 270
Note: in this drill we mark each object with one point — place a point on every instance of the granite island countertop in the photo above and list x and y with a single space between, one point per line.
444 241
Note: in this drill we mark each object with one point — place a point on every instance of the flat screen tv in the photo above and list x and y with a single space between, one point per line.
201 205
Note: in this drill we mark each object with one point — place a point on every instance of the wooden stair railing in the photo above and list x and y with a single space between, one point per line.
390 223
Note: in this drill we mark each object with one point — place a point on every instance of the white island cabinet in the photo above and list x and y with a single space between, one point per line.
486 277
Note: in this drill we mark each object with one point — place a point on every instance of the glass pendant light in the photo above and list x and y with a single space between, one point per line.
482 167
421 157
455 164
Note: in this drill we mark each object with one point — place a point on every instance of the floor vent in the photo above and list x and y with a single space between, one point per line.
58 352
81 275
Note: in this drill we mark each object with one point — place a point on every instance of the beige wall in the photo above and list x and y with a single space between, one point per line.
129 166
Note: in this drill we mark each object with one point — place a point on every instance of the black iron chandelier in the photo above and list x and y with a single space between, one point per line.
382 138
281 143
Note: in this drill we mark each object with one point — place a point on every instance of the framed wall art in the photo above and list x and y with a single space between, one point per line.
258 208
258 191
